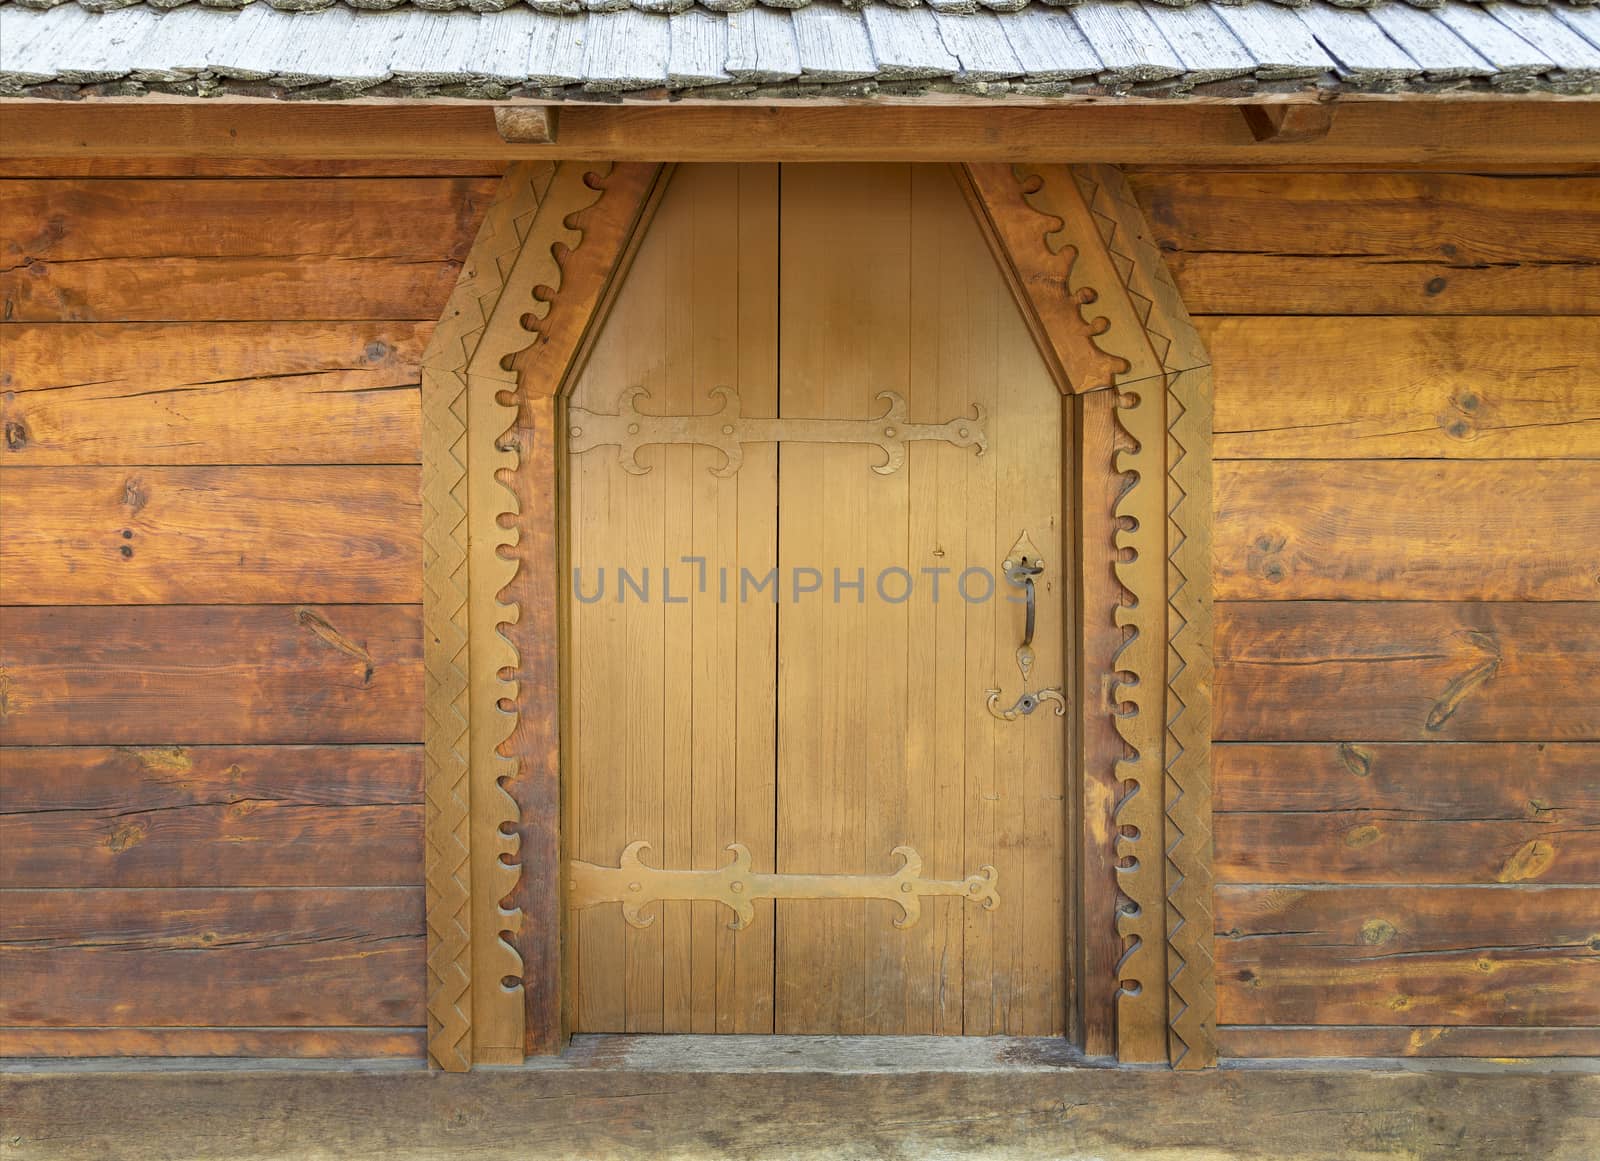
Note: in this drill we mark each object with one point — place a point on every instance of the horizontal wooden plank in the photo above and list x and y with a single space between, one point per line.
245 535
48 778
268 1043
222 816
220 250
105 167
1380 846
1461 780
1267 1041
1407 671
211 393
1407 955
1394 388
153 675
1388 133
1375 530
271 957
804 1110
1323 244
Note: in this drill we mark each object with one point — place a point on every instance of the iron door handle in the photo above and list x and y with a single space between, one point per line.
1021 565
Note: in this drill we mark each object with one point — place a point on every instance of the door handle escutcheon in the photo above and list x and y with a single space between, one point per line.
1021 565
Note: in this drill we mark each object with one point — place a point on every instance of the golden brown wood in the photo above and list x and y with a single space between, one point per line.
1386 133
195 957
1401 956
447 451
1421 388
162 816
233 250
181 535
1407 671
1324 244
884 736
526 124
1408 530
670 712
270 1043
169 167
1288 124
241 675
1430 1041
221 393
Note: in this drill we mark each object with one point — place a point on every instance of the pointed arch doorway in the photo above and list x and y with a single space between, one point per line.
782 634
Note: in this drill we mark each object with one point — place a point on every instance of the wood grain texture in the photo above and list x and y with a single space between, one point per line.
146 676
1409 388
210 393
194 957
233 1043
1408 955
1372 530
210 816
179 535
1437 1040
1239 243
233 249
1407 671
810 1115
1407 135
243 166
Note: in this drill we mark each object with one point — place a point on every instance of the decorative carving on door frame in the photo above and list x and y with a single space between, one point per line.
1107 317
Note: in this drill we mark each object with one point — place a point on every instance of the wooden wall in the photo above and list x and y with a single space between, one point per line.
1408 617
210 558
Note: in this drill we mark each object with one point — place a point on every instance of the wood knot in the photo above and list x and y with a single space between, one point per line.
1434 286
1356 760
1361 836
1376 932
126 836
16 435
1532 859
134 497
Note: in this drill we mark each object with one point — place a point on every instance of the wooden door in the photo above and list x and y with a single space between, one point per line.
829 726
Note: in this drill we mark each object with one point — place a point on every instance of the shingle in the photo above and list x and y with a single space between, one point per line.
625 50
1362 50
1049 46
1441 53
832 44
906 43
1126 40
761 46
1208 50
980 47
1283 47
699 46
1496 43
1570 52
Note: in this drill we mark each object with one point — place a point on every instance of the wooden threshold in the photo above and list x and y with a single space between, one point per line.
801 1098
1390 134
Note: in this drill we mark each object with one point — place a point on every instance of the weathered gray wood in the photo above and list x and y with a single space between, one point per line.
907 44
1126 40
1575 55
761 47
1051 48
625 50
434 48
1584 21
1029 1113
558 51
1363 52
1440 52
980 47
108 49
1208 50
1282 46
504 46
832 44
699 46
1507 51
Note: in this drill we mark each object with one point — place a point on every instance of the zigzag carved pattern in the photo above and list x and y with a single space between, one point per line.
447 781
1191 969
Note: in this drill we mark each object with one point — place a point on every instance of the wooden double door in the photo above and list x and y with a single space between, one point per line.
825 718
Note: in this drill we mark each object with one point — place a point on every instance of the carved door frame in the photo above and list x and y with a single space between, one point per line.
1111 327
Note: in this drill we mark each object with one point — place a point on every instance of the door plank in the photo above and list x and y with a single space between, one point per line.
1407 955
1407 671
211 393
170 535
146 676
1407 388
1372 530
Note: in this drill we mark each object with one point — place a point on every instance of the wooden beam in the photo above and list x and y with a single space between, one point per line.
528 124
692 1097
1393 133
1288 124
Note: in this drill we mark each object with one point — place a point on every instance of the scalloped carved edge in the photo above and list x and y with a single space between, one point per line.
449 440
1186 442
